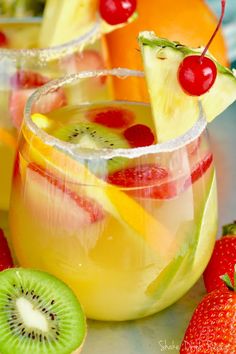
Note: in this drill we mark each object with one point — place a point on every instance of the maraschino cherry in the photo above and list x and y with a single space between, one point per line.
115 12
197 73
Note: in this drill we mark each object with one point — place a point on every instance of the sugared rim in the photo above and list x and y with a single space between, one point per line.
47 54
77 152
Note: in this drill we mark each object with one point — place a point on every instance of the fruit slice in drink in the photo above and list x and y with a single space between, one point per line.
117 248
135 236
174 111
82 243
111 198
193 259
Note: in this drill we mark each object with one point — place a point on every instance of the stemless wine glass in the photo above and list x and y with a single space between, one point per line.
23 68
130 229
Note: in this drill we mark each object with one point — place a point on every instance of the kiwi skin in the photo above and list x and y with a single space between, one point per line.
51 297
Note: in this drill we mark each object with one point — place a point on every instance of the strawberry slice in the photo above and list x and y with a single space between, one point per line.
5 254
199 170
3 40
158 182
173 188
138 176
56 199
17 103
23 79
139 135
24 83
111 117
89 59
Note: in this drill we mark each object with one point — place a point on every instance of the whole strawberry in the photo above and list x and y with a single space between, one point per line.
212 328
5 255
223 259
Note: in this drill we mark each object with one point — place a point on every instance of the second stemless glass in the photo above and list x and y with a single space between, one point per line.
23 68
128 243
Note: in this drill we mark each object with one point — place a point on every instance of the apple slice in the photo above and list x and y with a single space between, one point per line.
192 258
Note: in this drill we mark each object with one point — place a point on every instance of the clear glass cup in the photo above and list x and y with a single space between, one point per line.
129 229
24 68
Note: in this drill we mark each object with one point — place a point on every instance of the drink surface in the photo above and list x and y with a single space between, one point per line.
129 235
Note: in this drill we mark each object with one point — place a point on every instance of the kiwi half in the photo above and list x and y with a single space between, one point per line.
95 136
39 314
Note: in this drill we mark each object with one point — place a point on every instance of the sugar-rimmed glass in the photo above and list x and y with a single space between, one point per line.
127 250
23 69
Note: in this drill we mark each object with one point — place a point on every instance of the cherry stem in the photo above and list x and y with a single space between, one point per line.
223 3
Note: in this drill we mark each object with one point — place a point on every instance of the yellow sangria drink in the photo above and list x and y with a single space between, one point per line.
25 66
128 223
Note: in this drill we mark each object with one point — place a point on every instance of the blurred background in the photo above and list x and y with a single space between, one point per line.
229 28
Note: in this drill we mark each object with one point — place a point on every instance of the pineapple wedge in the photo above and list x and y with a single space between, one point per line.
174 111
64 22
71 19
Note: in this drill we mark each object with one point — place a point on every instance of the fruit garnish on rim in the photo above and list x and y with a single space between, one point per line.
116 12
196 73
212 327
72 18
39 314
174 110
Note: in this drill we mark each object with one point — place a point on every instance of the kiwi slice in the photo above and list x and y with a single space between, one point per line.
39 314
94 136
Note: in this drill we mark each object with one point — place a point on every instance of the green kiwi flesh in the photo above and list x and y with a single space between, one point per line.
94 136
39 314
